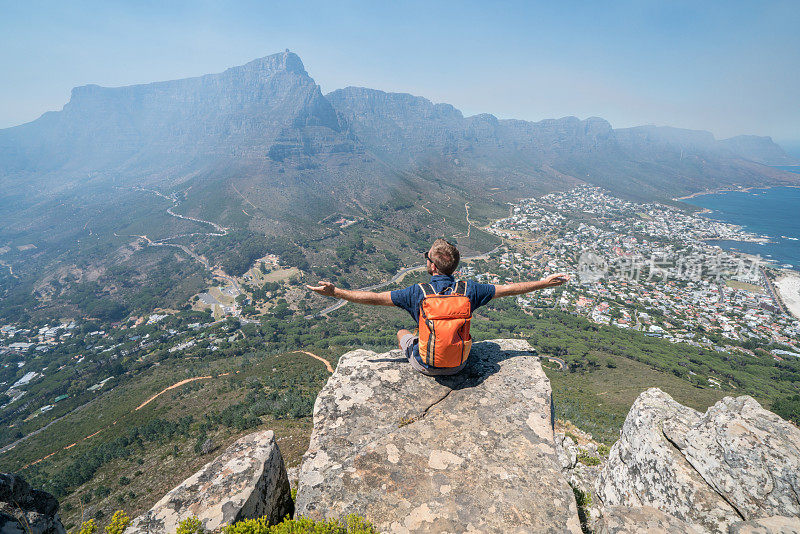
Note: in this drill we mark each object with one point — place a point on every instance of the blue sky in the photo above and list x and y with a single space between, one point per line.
730 67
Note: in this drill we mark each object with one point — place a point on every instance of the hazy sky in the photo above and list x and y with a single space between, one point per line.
732 67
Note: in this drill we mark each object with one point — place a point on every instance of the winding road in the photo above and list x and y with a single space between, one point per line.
220 231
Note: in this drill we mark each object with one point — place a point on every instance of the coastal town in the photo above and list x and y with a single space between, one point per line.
648 267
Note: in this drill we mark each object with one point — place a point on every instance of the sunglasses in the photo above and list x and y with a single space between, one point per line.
425 254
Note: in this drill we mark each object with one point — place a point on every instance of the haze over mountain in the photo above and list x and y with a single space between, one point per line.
269 110
259 149
260 114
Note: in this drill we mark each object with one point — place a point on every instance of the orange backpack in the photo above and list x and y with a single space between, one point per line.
444 339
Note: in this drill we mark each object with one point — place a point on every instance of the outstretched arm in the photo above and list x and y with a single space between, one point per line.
360 297
519 288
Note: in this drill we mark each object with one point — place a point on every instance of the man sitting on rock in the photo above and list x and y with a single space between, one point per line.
442 308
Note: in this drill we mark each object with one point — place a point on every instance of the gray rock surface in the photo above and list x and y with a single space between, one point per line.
247 480
734 463
641 520
411 453
748 455
24 510
768 525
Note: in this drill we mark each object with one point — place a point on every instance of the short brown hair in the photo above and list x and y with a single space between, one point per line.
445 256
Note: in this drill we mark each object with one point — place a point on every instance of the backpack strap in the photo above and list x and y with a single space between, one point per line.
460 288
427 289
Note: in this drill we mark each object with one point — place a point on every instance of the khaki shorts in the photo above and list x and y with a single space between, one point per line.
409 344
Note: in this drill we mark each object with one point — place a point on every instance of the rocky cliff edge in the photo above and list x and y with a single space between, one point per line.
411 453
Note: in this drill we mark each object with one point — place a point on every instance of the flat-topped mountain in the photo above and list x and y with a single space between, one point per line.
268 108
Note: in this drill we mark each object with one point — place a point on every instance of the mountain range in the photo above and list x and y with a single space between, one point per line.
259 148
269 117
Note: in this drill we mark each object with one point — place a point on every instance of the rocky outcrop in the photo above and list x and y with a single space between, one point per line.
411 453
641 520
247 480
24 510
735 463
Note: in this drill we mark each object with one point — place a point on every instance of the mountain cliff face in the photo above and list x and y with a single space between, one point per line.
242 112
407 128
758 149
647 162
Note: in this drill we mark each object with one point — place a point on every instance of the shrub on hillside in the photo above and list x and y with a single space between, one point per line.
353 524
119 522
190 525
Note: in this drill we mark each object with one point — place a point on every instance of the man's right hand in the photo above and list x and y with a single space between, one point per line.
556 279
323 288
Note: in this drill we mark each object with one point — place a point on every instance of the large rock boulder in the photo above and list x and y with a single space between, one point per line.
247 480
737 462
24 510
412 453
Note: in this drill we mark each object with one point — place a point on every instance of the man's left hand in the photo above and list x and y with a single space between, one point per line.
323 288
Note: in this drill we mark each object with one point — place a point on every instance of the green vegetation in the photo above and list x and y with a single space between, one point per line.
583 500
352 524
83 468
119 522
190 525
587 459
788 407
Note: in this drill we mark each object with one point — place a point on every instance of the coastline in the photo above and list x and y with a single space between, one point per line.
731 190
788 285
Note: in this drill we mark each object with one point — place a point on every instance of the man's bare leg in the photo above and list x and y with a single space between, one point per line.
400 335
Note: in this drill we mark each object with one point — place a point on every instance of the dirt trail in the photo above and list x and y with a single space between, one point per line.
320 358
173 386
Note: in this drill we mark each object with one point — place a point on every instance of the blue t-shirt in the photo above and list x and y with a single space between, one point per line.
410 298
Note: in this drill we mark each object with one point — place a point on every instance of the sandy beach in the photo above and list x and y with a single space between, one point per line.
788 286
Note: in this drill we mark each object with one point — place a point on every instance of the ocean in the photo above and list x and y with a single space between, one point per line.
774 212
